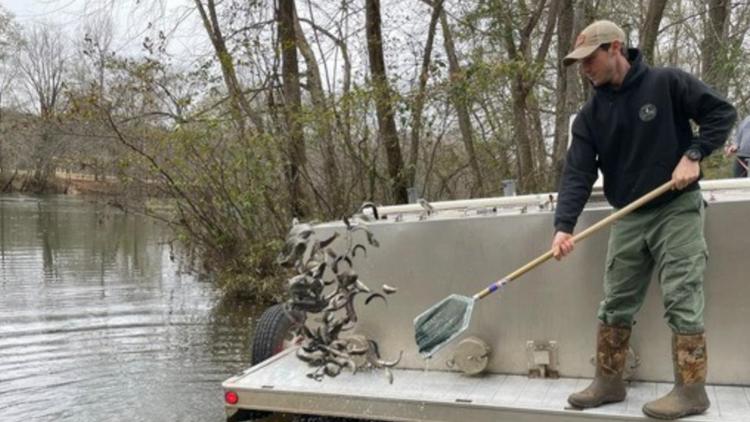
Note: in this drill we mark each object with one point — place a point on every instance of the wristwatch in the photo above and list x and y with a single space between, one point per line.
693 154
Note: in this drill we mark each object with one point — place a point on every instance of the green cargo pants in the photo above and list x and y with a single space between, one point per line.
668 238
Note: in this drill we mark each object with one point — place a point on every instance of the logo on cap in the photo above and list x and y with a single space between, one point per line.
647 112
580 40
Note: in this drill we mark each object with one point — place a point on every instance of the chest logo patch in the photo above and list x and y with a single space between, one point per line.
647 112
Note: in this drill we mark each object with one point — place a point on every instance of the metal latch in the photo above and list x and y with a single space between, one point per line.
542 357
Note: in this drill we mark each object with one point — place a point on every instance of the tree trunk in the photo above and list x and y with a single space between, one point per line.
296 157
238 100
523 83
336 114
424 74
584 15
461 103
383 103
715 66
524 160
323 124
650 28
538 143
568 90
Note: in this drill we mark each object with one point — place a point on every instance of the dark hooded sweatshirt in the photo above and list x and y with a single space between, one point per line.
636 134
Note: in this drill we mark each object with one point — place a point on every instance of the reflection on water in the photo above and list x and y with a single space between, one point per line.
98 324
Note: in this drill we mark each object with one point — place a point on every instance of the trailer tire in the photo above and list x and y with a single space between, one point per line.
272 333
269 338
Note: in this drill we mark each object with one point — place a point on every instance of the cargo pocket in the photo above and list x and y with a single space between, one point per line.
688 250
625 284
685 264
682 284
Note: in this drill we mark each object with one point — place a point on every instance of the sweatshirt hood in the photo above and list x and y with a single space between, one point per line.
637 69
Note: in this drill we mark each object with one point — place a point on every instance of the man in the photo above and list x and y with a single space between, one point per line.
636 129
741 147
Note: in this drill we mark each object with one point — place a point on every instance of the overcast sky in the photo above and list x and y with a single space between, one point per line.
62 11
174 17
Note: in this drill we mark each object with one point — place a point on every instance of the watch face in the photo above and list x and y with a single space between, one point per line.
693 154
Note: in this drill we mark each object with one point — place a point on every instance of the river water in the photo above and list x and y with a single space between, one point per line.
98 323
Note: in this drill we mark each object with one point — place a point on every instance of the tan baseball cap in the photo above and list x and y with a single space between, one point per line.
594 35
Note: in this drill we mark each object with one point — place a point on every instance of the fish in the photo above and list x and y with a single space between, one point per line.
346 363
356 351
347 278
339 259
391 364
362 287
327 242
315 358
332 369
371 239
389 375
360 246
339 344
330 302
373 296
389 290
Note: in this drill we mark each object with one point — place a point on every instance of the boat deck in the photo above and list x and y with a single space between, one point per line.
279 384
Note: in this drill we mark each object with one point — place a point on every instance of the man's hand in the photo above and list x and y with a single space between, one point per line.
686 172
562 245
730 149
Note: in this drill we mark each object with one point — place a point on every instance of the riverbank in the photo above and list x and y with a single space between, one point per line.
63 182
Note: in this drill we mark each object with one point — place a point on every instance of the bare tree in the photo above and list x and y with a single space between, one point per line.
461 103
419 100
10 42
295 150
650 28
42 63
527 132
97 46
323 123
384 102
240 105
568 88
714 45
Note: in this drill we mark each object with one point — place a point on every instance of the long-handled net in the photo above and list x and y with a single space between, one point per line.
446 320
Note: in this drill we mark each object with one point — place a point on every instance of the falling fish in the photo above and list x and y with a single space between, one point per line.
334 298
373 296
386 364
389 289
389 375
359 246
362 287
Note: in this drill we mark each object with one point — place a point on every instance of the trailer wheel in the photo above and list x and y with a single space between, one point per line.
274 332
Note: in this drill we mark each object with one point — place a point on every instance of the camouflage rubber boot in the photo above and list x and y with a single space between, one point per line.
688 397
607 386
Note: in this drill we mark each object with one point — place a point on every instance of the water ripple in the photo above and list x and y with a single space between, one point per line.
97 323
